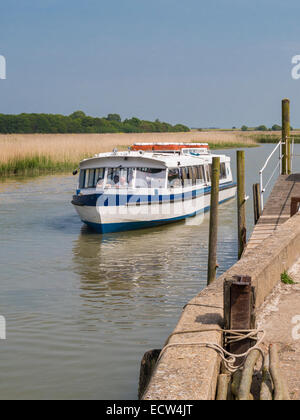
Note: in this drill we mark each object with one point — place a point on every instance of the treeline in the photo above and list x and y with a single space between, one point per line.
274 127
79 122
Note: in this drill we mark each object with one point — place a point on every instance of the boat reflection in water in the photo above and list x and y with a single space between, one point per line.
139 267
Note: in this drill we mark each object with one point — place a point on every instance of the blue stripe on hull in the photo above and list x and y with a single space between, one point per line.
91 200
121 227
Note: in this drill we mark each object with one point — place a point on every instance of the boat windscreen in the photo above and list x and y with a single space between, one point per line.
119 177
122 178
150 178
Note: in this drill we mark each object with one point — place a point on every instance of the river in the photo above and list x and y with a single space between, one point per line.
81 308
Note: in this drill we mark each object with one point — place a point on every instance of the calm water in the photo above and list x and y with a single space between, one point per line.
81 308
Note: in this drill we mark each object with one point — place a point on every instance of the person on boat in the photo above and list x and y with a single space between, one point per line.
100 183
175 183
113 182
116 180
122 183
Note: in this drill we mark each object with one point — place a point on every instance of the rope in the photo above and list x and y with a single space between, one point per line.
232 336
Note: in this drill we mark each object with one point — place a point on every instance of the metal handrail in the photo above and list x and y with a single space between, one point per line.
262 187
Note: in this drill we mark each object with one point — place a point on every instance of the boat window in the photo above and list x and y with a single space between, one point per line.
200 174
183 175
207 173
81 178
223 171
99 177
119 177
91 178
150 178
187 176
195 175
174 178
86 178
190 174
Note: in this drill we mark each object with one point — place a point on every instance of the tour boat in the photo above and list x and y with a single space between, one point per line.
151 184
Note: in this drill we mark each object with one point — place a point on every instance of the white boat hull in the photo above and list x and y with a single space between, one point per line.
114 217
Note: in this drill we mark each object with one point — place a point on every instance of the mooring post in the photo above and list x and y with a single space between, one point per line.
256 202
239 310
241 201
286 148
213 221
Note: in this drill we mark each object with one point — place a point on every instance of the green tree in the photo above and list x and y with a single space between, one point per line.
182 128
244 128
261 128
78 114
114 117
78 122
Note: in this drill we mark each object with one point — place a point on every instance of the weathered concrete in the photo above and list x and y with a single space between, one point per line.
190 372
271 258
279 316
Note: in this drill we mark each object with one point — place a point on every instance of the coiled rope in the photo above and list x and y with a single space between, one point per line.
231 336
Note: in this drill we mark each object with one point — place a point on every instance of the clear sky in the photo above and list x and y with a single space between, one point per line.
219 63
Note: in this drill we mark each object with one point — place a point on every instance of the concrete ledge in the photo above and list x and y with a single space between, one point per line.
266 262
187 372
190 372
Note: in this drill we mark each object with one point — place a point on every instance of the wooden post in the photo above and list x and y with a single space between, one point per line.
213 221
241 202
244 393
281 392
223 388
256 202
239 310
286 148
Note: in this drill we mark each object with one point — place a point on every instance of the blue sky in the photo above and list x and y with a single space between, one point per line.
219 63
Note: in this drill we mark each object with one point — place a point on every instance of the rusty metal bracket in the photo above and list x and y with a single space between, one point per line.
295 204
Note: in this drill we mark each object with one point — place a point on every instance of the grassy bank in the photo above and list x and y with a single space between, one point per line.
32 153
32 165
274 138
231 145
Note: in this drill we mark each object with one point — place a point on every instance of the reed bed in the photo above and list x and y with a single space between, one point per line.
273 137
26 153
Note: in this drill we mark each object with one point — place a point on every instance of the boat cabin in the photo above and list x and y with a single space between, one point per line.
186 166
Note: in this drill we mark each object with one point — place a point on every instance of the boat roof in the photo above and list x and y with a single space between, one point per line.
147 159
170 146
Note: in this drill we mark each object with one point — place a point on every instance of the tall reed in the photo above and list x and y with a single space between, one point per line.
21 153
